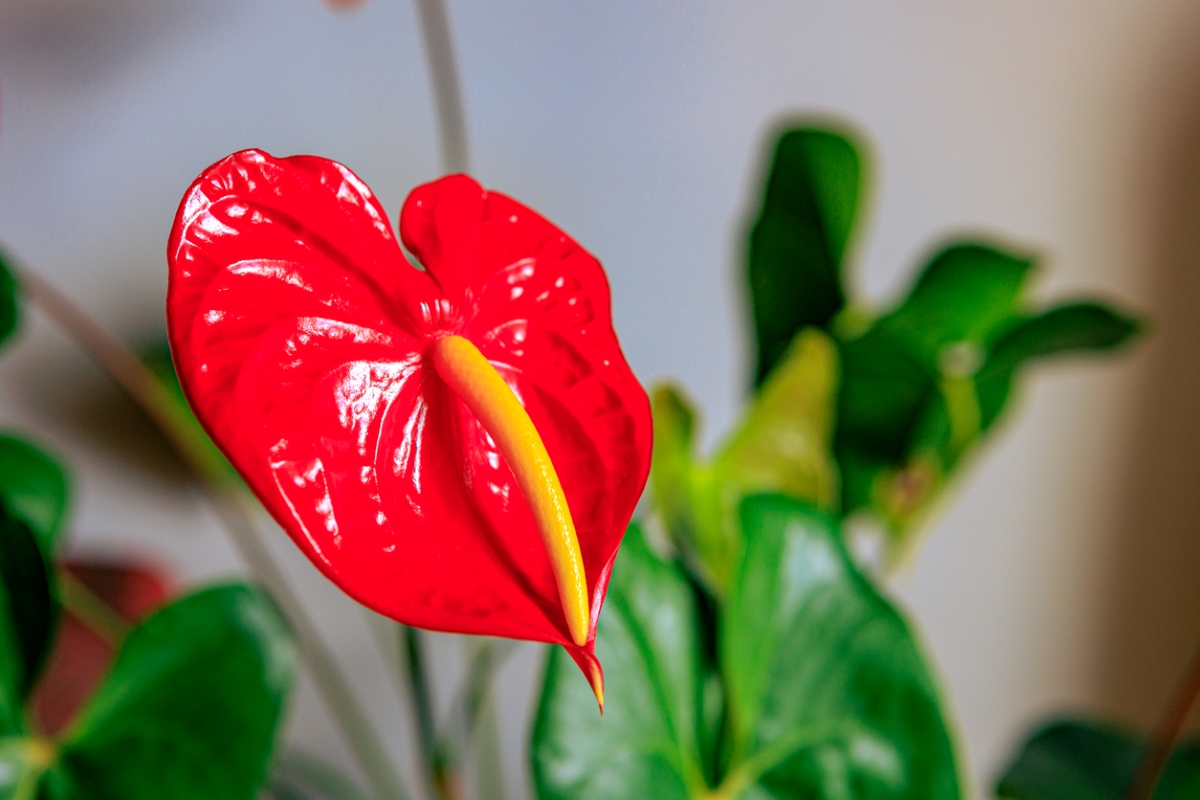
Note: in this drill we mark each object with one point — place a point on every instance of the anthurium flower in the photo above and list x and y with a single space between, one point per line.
459 445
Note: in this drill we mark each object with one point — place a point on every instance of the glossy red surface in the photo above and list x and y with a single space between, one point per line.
301 332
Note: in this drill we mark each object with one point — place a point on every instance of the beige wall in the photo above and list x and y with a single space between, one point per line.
1060 576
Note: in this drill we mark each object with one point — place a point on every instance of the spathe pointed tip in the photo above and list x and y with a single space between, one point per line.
596 679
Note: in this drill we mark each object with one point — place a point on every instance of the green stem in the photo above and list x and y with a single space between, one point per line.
413 657
1170 727
236 510
745 775
91 609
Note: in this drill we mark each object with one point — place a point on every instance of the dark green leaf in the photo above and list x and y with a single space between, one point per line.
1077 760
966 292
28 614
884 391
828 693
799 239
645 746
10 305
34 488
190 708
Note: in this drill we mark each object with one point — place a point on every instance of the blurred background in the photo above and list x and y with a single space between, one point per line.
1061 575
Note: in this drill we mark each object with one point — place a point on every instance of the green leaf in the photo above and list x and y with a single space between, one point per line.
33 486
1079 760
829 695
10 306
645 745
783 444
28 615
966 292
1070 328
190 708
799 239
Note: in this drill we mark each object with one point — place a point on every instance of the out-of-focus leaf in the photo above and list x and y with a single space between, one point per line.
81 656
799 239
157 356
783 444
28 613
10 304
33 486
303 776
829 695
190 708
671 463
966 292
646 743
1078 760
1070 328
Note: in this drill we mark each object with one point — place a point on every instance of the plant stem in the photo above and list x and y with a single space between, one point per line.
443 74
1170 727
413 657
90 609
236 512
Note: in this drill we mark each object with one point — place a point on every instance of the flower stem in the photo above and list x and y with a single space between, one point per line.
1170 727
443 75
412 655
90 609
237 513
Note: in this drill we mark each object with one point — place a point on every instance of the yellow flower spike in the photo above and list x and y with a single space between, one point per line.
492 401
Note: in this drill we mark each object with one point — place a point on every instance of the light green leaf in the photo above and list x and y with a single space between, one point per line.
783 444
33 486
190 709
645 745
799 240
829 695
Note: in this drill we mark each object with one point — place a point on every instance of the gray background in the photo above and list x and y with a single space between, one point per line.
1062 575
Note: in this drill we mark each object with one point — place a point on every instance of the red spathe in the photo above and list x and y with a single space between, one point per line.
300 333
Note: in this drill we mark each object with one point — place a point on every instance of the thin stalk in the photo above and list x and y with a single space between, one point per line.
447 93
1170 727
442 784
236 512
90 609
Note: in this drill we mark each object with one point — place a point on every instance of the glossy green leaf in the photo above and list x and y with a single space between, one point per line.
799 239
190 708
33 486
829 695
645 745
1077 760
28 615
966 292
782 444
10 303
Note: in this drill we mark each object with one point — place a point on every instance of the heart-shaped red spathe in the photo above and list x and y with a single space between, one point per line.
301 335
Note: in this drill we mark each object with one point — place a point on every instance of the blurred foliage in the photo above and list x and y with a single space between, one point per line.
916 388
190 707
806 684
1078 760
782 445
10 306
